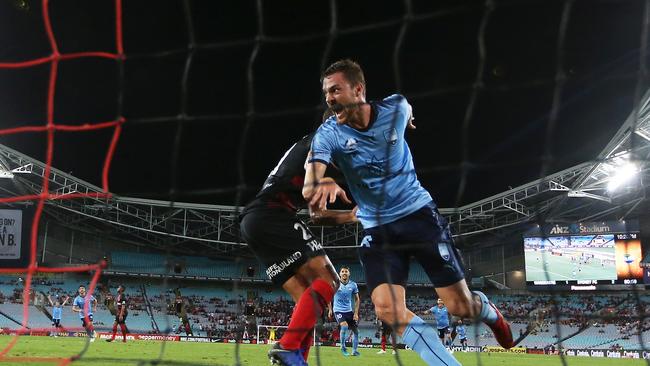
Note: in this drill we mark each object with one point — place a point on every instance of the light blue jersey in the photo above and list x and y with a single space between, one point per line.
376 162
79 302
56 312
343 297
461 331
441 315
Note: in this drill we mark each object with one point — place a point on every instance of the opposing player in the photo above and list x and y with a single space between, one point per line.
121 310
180 307
85 305
399 217
294 257
345 296
441 314
386 332
57 310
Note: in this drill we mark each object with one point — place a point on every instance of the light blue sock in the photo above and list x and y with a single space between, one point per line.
355 339
344 335
488 314
424 340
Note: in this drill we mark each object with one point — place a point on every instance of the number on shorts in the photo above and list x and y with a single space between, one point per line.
305 232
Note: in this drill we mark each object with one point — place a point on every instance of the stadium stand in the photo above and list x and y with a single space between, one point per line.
216 310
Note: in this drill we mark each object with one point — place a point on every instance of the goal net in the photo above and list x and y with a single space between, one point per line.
133 133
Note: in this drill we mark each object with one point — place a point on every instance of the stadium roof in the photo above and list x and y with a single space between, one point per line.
212 94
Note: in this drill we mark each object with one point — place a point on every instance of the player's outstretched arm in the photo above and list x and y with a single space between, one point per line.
49 299
65 301
325 217
314 172
318 189
326 191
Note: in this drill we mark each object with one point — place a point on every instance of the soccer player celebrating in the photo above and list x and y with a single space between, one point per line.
441 314
294 257
57 310
82 303
121 313
347 319
399 218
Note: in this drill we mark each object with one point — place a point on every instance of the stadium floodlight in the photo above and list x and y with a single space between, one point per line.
6 174
622 175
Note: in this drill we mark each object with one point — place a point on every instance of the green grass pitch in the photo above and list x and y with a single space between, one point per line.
178 353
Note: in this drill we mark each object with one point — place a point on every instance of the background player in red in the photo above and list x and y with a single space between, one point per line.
386 332
180 307
121 307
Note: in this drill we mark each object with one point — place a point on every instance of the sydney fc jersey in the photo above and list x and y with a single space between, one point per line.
462 331
79 302
376 162
441 315
56 312
343 297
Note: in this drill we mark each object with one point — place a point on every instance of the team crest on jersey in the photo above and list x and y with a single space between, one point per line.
391 136
351 144
365 242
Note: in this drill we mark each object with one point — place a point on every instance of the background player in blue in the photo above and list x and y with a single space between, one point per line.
57 310
345 296
441 315
399 217
79 306
462 334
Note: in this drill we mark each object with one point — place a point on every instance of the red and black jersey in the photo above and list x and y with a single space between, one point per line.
283 186
178 304
121 301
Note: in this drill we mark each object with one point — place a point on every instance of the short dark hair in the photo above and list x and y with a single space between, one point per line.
84 286
350 69
344 267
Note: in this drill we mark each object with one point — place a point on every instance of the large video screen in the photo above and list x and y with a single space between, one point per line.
584 254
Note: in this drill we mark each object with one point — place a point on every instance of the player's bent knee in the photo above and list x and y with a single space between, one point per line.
344 324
